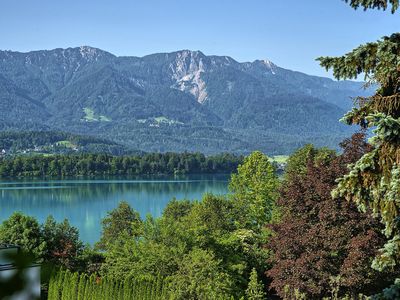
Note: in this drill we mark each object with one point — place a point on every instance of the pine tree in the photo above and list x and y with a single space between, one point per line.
120 290
158 287
66 293
145 290
74 286
103 287
137 290
379 4
255 289
109 289
60 283
92 283
127 289
97 291
89 288
81 287
164 291
53 293
374 180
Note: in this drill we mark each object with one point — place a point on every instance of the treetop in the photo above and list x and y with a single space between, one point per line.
372 4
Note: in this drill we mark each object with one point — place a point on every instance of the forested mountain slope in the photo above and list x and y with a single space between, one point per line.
176 101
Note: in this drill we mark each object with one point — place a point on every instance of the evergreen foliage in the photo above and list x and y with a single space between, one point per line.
390 293
74 286
255 289
374 180
55 142
103 164
379 4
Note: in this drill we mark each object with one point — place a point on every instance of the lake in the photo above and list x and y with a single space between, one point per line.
84 202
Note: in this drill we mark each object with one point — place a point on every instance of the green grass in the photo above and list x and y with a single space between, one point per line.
159 120
165 120
67 144
280 158
90 116
104 118
46 154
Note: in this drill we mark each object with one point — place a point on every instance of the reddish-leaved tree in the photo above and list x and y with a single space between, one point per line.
323 244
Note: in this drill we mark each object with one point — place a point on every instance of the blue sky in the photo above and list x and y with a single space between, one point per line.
290 33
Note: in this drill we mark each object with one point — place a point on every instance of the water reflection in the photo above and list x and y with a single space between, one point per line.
85 201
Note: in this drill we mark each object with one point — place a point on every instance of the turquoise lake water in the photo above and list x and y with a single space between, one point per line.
84 202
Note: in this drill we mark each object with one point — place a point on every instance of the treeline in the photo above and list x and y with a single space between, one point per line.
30 139
72 285
103 164
269 237
55 142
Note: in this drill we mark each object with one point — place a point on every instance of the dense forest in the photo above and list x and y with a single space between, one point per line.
282 238
328 229
56 142
103 164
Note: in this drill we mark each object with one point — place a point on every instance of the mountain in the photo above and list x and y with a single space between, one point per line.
179 101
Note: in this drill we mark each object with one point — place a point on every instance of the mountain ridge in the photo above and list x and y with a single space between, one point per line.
177 101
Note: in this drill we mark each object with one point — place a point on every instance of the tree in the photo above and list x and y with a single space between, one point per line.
200 276
119 222
297 162
175 210
207 246
320 238
255 289
379 4
81 287
254 189
390 293
51 242
23 231
164 243
63 246
374 180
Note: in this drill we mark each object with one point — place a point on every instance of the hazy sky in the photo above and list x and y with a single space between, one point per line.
290 33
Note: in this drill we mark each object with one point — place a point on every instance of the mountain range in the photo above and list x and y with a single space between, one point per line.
179 101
